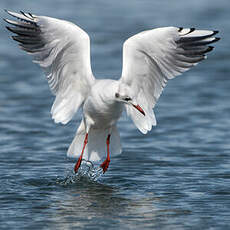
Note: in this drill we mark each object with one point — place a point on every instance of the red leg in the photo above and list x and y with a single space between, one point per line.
78 164
105 164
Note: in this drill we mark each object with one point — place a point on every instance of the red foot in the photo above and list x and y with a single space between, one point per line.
78 164
105 165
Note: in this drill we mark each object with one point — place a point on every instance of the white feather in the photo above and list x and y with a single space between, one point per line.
152 57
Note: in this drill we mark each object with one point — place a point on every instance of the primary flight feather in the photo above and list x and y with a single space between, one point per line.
150 59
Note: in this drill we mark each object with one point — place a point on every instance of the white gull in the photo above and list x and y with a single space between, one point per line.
150 59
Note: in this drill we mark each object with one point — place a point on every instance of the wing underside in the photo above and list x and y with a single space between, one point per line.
62 50
153 57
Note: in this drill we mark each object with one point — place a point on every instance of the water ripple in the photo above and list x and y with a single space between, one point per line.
175 177
86 172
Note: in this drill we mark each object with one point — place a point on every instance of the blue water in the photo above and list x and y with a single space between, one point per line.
175 177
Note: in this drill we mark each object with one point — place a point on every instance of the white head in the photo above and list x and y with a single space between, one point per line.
125 95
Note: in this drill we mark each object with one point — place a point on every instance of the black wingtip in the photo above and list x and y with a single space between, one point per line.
15 38
210 48
216 39
8 28
190 31
31 15
26 15
6 20
9 12
23 13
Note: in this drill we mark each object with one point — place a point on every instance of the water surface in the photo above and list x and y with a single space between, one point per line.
175 177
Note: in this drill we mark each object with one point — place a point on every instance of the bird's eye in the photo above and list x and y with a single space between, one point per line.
117 95
127 99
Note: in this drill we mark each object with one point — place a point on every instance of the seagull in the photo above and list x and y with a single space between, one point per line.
150 59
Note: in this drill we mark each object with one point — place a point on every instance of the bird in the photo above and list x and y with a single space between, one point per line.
150 58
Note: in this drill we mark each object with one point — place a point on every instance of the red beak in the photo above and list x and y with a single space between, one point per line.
139 109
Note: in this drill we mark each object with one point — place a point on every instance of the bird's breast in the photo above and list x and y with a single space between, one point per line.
102 112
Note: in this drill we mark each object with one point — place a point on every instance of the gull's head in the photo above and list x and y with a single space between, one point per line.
125 95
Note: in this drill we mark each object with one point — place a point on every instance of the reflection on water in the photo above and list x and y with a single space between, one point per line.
102 205
88 203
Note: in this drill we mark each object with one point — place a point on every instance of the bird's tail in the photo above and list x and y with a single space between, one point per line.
96 147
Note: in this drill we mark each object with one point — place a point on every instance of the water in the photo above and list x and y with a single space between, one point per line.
175 177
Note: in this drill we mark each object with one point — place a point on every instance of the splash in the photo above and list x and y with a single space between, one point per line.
86 172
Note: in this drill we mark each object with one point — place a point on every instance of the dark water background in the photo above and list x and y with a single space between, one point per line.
175 177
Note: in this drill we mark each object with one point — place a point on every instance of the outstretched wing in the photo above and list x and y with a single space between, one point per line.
152 57
62 49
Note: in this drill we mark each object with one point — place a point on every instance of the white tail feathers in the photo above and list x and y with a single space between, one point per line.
96 148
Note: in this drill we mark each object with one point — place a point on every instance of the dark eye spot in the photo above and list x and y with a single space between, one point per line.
127 99
117 95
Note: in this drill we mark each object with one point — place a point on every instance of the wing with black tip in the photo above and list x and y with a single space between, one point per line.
152 57
62 49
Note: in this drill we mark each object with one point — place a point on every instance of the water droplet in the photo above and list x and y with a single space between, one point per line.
87 172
